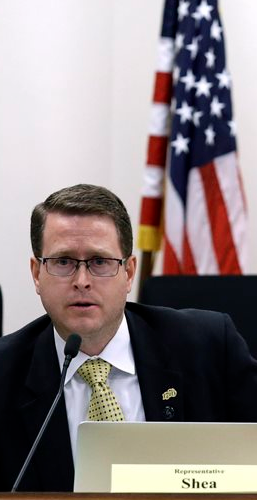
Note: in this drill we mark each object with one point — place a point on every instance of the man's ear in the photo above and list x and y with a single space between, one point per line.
35 270
130 267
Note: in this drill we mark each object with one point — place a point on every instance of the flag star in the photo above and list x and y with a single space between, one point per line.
203 87
232 126
216 107
183 9
185 112
193 47
216 31
180 144
179 42
210 135
196 15
203 11
188 80
196 118
224 79
210 57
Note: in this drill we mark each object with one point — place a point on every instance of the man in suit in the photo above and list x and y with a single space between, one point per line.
165 364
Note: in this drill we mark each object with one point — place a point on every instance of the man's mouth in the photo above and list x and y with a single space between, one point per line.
83 305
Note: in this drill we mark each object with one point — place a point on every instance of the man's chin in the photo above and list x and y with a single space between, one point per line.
85 329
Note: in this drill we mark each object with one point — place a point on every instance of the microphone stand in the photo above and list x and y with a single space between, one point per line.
68 357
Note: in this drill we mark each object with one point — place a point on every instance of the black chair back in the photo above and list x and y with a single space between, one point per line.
1 313
234 295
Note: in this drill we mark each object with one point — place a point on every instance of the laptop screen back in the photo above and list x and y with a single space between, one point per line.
102 444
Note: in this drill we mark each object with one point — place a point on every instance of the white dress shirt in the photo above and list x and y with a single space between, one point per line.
122 380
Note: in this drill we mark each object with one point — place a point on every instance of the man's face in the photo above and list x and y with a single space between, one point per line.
89 305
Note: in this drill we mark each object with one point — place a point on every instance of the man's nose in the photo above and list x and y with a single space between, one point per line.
82 276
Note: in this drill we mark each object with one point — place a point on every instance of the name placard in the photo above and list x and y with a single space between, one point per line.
166 478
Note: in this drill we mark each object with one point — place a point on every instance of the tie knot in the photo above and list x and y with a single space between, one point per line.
94 371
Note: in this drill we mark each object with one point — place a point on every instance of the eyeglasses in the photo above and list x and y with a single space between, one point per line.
97 266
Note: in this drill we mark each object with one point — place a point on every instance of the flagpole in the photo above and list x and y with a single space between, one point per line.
146 268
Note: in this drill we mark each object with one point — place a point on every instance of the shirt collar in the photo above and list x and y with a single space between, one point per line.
118 352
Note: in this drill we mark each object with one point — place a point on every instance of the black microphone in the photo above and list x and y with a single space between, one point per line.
71 350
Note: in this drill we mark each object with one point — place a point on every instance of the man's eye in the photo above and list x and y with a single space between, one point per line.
99 261
62 262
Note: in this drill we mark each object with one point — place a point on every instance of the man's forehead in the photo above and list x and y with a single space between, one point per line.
69 219
59 226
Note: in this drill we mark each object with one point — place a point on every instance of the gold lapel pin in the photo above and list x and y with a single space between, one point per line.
170 393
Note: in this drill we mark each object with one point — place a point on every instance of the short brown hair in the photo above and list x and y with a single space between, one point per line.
82 199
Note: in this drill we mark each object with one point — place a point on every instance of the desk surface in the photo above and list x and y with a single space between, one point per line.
128 496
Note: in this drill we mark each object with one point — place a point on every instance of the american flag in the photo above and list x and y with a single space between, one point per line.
193 200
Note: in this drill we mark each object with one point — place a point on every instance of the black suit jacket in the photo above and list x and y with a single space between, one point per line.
198 353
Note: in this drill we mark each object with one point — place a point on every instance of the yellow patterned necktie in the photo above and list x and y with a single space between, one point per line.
103 404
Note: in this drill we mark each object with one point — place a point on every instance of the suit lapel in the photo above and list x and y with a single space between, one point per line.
161 387
52 461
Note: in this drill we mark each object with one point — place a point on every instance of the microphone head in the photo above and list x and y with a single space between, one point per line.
72 345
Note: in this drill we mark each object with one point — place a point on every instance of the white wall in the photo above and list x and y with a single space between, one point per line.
76 80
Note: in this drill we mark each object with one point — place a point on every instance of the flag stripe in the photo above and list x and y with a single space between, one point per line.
159 120
219 222
163 88
165 56
188 258
198 227
174 220
157 150
151 211
170 260
153 185
230 183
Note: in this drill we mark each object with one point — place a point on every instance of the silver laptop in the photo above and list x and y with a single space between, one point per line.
100 445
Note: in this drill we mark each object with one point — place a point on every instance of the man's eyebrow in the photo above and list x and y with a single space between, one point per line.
94 254
60 253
